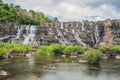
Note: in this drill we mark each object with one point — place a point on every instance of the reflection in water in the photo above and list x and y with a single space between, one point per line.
34 69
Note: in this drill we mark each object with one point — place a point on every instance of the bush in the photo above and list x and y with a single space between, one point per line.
93 56
44 53
79 49
68 50
3 51
103 49
19 49
28 48
43 50
116 48
57 48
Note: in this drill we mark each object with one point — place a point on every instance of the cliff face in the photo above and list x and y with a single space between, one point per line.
6 31
86 33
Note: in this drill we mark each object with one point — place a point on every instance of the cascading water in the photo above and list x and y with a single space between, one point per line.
96 33
92 37
19 32
78 38
30 34
62 26
17 39
73 31
83 27
62 39
56 25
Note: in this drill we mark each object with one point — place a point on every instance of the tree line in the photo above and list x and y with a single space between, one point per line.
18 15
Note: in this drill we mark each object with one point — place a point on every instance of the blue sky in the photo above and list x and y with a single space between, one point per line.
72 9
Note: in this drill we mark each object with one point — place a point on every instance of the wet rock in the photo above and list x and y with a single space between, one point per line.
28 55
110 53
63 55
33 78
73 55
117 57
82 61
3 73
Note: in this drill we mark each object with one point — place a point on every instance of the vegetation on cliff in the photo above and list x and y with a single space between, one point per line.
18 15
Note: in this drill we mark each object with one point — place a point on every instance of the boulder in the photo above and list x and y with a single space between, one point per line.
63 55
73 55
33 78
28 55
82 61
3 73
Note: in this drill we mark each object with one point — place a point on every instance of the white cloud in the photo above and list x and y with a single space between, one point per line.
71 9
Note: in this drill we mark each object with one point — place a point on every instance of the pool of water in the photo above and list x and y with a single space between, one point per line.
35 69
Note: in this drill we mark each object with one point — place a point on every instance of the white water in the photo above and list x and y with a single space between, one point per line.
62 26
79 39
19 32
30 34
73 32
62 39
83 27
96 32
55 25
92 37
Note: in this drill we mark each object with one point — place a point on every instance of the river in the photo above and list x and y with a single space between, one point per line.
35 69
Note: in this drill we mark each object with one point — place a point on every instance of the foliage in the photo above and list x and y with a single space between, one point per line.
79 49
93 56
3 51
116 48
103 49
19 48
58 49
28 48
14 13
68 50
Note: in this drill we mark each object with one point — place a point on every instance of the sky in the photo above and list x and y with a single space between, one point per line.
72 9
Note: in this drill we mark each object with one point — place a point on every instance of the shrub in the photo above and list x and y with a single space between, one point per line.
3 51
19 49
44 53
103 49
93 56
79 49
43 50
56 48
28 48
68 50
116 48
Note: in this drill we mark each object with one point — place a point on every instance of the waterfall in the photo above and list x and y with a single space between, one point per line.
73 31
56 25
76 35
96 33
83 27
30 34
66 30
5 37
17 38
19 31
63 40
62 26
92 37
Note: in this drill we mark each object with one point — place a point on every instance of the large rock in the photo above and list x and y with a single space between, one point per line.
3 73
